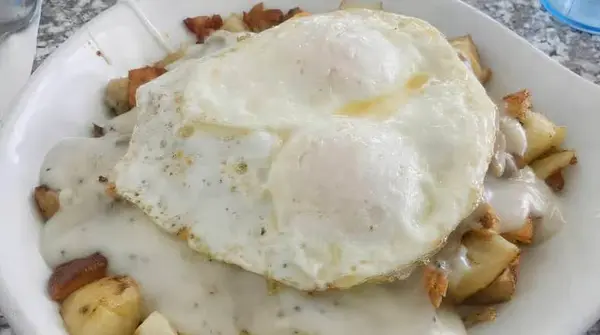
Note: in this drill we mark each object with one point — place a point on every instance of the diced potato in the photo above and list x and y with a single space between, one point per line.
467 51
518 104
559 137
483 314
523 235
547 166
541 134
116 96
347 4
489 254
47 201
500 290
155 324
436 284
203 26
109 306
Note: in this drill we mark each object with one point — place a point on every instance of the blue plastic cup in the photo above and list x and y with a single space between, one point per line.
580 14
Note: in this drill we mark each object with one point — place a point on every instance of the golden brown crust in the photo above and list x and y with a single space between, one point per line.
47 201
138 77
203 26
70 276
436 284
259 18
518 104
524 235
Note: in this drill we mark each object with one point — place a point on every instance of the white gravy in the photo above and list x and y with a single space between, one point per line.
199 296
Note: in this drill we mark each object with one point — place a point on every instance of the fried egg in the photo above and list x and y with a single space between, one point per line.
329 151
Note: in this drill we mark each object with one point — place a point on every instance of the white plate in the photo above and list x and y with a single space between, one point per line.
558 290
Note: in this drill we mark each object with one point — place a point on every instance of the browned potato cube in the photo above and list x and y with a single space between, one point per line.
467 51
500 290
489 254
47 201
549 165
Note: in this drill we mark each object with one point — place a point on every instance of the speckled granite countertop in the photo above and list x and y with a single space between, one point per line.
579 52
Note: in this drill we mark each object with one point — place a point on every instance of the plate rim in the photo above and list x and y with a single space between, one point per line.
17 318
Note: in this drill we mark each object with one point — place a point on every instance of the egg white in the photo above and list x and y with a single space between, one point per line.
329 151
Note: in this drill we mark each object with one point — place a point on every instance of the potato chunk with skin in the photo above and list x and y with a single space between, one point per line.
500 290
138 77
489 254
116 95
109 306
467 51
155 324
71 276
47 201
541 134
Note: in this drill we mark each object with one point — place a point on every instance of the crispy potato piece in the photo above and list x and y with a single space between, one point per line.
489 219
345 4
155 324
523 235
436 284
549 165
203 26
556 181
541 134
47 201
489 254
69 277
480 315
235 24
518 104
467 51
138 77
259 18
109 306
116 95
500 290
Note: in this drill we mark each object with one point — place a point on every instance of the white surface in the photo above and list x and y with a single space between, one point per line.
16 58
558 291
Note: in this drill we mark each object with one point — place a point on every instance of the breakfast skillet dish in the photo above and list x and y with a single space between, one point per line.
299 173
